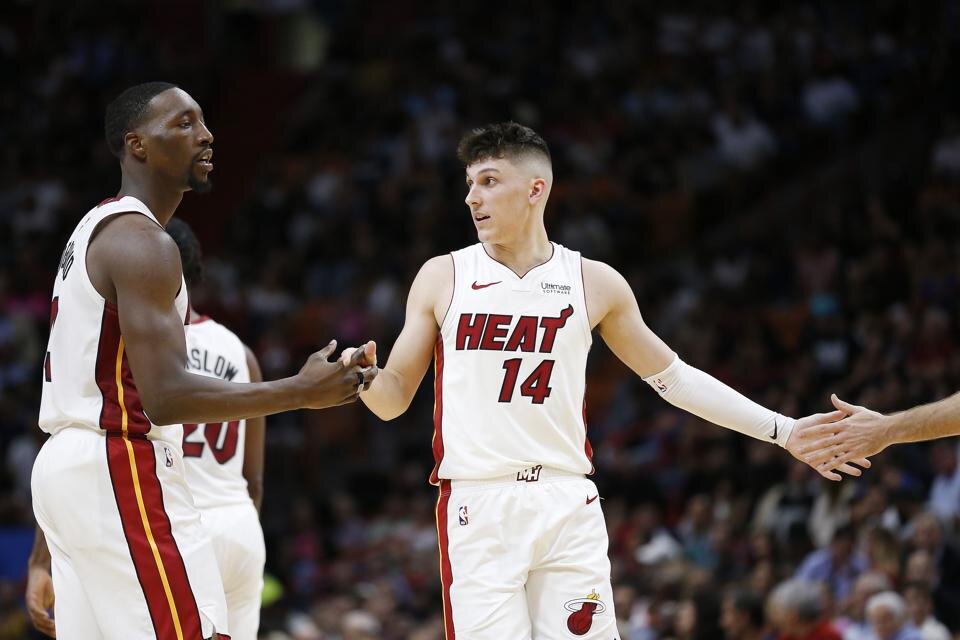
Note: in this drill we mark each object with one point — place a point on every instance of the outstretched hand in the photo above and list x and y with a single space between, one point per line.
821 423
859 435
338 382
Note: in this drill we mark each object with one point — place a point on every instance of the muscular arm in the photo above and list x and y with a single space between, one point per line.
135 264
254 442
391 393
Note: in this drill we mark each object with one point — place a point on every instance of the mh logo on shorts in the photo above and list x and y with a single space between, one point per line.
580 621
530 474
464 517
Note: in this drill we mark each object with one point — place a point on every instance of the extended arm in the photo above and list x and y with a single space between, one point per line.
391 393
614 310
134 263
253 443
866 433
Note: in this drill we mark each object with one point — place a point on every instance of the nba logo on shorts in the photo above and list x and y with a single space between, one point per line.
464 518
169 458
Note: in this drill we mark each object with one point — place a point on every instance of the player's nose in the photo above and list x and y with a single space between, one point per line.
472 197
205 135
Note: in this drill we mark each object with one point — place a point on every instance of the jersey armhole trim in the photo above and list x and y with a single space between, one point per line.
586 309
97 228
453 296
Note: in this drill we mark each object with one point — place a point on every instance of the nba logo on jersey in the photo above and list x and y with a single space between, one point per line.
168 456
464 518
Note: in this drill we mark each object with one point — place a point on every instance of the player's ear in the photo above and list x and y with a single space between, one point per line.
133 144
538 189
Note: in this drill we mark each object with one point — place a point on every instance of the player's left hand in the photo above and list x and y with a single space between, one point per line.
795 445
39 597
862 433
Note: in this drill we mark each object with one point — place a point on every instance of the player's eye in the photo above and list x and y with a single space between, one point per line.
185 125
491 181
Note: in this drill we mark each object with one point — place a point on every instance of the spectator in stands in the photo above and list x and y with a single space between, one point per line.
887 613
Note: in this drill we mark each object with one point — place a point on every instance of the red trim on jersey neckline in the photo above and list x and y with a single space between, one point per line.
200 318
437 410
553 253
143 530
446 572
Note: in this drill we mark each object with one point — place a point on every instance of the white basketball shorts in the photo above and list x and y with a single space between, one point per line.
129 557
524 557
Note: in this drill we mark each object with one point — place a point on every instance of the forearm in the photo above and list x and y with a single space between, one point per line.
40 554
191 398
927 422
703 395
387 396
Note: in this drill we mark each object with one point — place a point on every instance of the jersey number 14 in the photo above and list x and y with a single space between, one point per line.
536 386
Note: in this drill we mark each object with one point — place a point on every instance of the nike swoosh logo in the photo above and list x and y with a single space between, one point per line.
775 427
476 286
589 500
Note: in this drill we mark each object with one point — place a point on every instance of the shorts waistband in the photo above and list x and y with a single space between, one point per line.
530 475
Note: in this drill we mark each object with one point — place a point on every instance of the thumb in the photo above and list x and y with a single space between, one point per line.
846 407
370 349
358 356
328 350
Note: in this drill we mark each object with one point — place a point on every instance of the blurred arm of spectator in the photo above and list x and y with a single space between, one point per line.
39 594
864 433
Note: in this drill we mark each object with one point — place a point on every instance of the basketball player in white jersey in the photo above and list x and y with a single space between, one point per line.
224 460
129 558
508 323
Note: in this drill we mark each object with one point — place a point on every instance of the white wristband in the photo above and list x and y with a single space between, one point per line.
703 395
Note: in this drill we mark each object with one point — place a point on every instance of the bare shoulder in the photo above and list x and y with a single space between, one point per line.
604 288
132 250
432 289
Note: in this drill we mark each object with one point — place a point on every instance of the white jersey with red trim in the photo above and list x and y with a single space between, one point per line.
213 453
87 380
511 369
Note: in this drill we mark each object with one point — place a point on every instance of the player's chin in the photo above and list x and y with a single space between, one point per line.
199 184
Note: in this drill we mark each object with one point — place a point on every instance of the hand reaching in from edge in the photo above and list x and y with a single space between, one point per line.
831 422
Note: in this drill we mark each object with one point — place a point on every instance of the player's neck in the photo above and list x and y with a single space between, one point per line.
522 254
162 201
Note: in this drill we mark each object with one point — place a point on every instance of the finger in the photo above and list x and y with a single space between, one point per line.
328 350
345 356
849 469
819 431
371 351
830 475
862 462
369 374
846 407
42 620
817 446
358 357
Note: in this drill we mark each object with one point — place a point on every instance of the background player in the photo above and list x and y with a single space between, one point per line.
508 322
224 460
129 559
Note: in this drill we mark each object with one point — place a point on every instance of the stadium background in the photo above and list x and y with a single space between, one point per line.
778 181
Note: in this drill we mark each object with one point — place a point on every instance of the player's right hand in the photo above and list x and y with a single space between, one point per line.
331 384
39 597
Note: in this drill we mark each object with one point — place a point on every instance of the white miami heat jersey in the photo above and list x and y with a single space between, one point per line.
87 380
213 453
510 369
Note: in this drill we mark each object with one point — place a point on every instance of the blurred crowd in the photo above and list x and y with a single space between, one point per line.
778 183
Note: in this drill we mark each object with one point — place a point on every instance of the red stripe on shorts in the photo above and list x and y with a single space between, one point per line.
446 573
156 532
111 414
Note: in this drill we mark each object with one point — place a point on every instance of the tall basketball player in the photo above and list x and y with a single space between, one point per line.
508 323
224 460
129 558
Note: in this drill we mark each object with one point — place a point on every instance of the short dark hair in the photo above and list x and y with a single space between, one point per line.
126 110
509 140
191 257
